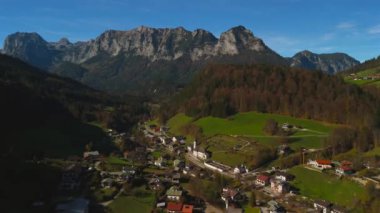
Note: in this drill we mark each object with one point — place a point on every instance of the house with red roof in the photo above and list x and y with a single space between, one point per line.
173 207
320 164
262 180
187 208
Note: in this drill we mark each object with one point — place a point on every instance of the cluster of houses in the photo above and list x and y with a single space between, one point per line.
115 135
175 200
232 198
275 182
374 76
278 182
341 168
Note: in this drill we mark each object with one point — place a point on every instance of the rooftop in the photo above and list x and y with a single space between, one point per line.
174 206
263 177
174 191
324 162
187 208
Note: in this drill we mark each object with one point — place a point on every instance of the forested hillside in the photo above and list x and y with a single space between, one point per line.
223 90
43 112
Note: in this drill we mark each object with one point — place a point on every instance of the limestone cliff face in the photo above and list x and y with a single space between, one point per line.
29 47
152 43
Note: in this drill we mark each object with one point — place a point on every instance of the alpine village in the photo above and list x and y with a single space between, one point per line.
181 121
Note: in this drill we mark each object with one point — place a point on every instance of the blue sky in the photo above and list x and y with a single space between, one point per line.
287 26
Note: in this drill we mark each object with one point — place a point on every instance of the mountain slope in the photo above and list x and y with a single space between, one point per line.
330 63
223 90
44 113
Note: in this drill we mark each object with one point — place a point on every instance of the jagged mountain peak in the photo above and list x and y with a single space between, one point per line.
238 39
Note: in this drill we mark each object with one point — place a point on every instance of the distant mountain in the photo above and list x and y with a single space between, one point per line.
145 60
45 113
330 63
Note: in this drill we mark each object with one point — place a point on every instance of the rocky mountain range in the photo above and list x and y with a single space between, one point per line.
152 60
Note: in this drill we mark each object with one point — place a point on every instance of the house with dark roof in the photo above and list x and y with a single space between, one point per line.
274 207
229 194
240 169
344 170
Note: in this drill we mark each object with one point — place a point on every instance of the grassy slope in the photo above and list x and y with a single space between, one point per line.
373 152
363 74
176 122
250 124
322 186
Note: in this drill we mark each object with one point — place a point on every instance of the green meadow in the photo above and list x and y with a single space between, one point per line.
319 185
132 204
250 125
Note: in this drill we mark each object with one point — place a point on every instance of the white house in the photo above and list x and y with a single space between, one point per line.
159 162
282 176
279 186
240 169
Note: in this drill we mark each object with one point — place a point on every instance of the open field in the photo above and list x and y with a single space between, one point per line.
132 204
318 185
251 125
233 151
